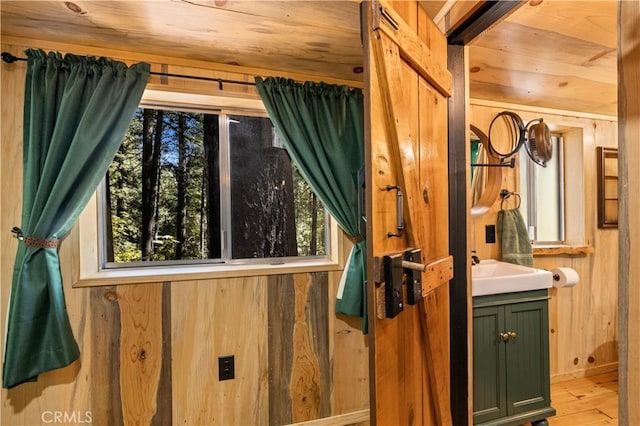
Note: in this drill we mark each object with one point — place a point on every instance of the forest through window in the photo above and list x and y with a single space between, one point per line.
191 186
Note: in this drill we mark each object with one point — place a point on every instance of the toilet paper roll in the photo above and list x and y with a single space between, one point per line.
564 277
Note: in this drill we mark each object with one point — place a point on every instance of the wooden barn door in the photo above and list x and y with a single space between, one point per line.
407 175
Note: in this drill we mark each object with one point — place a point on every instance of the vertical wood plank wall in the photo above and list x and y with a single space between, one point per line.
629 187
149 352
583 319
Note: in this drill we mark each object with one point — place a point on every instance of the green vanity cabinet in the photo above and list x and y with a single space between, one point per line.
511 359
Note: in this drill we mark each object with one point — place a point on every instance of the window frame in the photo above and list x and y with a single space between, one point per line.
529 187
578 136
92 270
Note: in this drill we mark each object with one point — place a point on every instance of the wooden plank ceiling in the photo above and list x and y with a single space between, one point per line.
554 54
316 38
548 53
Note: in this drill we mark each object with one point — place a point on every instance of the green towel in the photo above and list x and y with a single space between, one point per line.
514 238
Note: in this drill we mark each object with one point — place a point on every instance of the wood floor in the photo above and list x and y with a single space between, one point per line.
588 401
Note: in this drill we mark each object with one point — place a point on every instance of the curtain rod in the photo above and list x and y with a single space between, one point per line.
9 58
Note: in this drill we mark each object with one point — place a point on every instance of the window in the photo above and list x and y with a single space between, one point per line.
216 187
542 195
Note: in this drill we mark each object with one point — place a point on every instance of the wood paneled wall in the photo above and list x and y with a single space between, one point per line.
629 186
149 352
583 319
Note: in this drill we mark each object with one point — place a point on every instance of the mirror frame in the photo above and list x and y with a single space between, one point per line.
493 184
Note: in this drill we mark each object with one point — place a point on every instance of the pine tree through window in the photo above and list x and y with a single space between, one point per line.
190 186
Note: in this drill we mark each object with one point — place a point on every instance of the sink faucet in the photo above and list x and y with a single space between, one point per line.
474 259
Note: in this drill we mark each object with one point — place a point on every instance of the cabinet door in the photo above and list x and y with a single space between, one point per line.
527 356
489 381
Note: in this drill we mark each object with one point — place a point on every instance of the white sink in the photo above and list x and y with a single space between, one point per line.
493 277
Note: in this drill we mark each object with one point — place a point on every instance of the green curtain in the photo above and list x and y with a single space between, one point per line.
77 110
322 127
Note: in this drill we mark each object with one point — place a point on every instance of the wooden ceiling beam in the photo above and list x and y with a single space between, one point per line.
485 16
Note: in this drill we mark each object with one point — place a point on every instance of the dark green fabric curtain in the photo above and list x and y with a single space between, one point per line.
322 127
77 110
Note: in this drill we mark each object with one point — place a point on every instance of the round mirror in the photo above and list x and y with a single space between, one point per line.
486 175
538 142
506 134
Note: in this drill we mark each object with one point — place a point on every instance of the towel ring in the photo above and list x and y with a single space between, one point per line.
504 194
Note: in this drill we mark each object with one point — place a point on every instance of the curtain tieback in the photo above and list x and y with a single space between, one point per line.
35 241
355 240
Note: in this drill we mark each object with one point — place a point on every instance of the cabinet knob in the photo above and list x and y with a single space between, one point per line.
508 335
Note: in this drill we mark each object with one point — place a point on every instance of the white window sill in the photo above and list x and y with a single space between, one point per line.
150 274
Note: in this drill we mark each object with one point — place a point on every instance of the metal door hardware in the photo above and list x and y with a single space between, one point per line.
398 269
414 277
387 16
393 285
399 211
